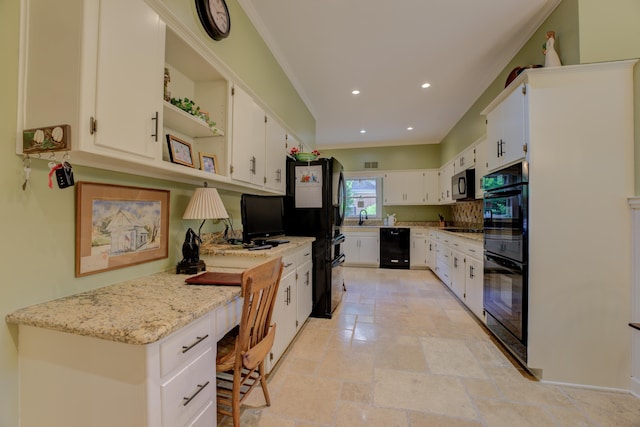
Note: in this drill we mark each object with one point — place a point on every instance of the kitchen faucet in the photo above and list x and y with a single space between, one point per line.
365 216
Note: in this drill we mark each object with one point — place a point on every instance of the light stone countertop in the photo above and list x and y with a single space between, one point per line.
477 237
138 311
239 251
143 310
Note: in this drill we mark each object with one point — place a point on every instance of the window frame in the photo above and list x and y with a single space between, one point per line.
378 177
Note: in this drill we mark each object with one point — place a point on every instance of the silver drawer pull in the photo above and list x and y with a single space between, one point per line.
472 250
198 341
307 254
190 398
288 265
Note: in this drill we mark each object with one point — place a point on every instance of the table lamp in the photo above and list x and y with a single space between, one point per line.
204 204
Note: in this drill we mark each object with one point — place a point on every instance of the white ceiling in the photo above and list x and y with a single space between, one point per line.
387 49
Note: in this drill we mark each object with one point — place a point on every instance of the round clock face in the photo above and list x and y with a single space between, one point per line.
214 17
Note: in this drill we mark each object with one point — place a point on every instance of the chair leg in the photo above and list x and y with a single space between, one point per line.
235 397
263 384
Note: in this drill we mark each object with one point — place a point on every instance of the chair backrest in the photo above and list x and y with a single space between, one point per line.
259 289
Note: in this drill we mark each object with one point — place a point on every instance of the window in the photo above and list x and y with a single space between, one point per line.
364 193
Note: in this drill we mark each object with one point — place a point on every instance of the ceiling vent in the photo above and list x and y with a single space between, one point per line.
371 165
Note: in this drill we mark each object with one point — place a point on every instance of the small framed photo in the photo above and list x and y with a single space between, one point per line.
208 162
180 151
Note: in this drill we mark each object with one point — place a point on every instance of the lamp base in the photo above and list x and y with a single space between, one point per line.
188 267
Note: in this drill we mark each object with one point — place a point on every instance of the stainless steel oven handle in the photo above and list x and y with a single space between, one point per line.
338 261
338 239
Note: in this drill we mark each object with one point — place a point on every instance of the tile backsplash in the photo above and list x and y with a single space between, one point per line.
467 214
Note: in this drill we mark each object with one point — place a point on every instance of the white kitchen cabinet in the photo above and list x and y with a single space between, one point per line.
304 283
458 273
362 248
506 124
444 181
482 165
465 160
431 251
248 139
275 163
404 188
101 75
578 118
284 313
62 373
474 286
293 302
418 253
430 187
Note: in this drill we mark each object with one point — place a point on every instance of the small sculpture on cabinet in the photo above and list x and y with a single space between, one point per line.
551 58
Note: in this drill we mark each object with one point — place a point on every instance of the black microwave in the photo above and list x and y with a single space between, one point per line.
463 185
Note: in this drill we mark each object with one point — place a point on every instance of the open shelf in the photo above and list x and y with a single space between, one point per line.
187 124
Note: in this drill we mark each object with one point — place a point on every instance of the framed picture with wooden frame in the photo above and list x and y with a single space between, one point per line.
119 226
180 151
208 162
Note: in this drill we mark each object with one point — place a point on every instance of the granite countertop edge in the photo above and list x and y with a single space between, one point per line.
143 310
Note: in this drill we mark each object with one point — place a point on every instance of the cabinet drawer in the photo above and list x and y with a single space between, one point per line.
185 344
289 262
227 317
474 250
303 256
206 418
186 394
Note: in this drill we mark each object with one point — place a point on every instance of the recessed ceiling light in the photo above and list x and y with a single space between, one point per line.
355 92
410 128
363 131
425 85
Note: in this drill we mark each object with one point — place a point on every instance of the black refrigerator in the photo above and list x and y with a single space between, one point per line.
315 205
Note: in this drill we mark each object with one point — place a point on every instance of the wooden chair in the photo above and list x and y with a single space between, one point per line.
241 353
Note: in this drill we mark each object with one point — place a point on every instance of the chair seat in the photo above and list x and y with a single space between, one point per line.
226 350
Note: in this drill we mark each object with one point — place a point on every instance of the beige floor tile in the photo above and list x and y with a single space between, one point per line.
421 419
401 350
509 414
357 392
355 415
607 408
422 392
307 398
347 366
447 356
400 357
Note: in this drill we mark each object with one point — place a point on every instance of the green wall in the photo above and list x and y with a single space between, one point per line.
38 225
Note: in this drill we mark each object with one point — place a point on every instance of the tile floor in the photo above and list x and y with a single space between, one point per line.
402 351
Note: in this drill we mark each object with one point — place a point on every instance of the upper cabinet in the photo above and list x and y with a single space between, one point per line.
248 127
482 165
506 129
276 159
111 76
100 75
404 188
444 182
465 160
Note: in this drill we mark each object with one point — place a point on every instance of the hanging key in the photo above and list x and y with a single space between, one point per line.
27 172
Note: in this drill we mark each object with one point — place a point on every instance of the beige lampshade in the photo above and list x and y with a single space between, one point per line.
205 204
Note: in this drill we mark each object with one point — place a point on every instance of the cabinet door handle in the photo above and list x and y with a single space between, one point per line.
190 398
186 348
252 165
93 125
155 134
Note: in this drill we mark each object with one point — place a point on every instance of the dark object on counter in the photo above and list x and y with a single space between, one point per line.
516 72
319 214
395 246
191 262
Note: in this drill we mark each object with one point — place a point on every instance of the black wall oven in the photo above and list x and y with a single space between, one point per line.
506 256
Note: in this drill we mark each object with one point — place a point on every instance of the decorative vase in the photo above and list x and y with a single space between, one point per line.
305 157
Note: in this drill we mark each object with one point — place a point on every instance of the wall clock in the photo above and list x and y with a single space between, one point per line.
214 16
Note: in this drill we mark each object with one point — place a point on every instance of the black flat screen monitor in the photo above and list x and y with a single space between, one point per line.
262 217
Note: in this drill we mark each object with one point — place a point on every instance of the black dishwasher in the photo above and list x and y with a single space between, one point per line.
394 247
